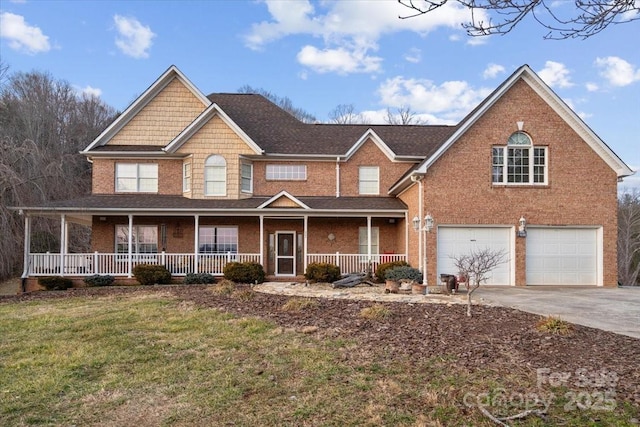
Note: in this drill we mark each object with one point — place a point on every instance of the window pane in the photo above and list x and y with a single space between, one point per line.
518 165
286 172
148 170
498 165
539 162
186 177
362 241
126 184
218 239
247 177
368 180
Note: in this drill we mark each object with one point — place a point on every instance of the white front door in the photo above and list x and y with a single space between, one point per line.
285 253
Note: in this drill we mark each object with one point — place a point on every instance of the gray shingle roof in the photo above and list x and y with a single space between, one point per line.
166 204
278 132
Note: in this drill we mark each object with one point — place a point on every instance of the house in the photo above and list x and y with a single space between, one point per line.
193 182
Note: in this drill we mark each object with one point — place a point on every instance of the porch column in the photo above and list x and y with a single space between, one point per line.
196 242
305 241
27 245
63 243
369 237
406 236
130 248
262 240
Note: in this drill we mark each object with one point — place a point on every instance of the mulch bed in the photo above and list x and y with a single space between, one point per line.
495 338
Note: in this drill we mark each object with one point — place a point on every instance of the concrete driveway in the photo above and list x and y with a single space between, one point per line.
615 310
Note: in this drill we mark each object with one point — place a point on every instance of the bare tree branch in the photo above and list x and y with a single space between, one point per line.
629 238
587 18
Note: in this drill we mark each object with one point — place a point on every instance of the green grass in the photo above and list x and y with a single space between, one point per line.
154 360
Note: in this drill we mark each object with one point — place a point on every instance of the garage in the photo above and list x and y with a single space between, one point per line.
562 256
457 240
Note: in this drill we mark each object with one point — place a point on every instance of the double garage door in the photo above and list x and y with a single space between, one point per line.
555 255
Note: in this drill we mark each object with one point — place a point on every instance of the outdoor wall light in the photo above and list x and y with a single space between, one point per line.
331 237
522 227
416 223
428 222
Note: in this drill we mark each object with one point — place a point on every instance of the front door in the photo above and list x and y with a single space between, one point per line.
285 253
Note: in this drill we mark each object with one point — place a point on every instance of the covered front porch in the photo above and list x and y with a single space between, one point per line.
284 243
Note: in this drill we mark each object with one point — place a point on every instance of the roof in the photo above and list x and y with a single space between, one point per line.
278 132
168 205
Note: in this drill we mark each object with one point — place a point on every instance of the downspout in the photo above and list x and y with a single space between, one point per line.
337 176
418 179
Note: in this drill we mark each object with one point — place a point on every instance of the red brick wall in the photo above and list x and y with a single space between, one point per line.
581 189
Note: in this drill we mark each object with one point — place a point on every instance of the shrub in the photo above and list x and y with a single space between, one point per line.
99 280
322 272
375 312
381 271
244 272
404 272
55 283
243 294
299 304
150 274
224 287
199 279
554 325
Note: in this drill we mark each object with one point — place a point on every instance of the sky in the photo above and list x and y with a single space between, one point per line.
324 53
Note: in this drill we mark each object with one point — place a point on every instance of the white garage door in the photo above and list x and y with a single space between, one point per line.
453 241
561 256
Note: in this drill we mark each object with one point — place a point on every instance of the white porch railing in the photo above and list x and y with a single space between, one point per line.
354 263
87 264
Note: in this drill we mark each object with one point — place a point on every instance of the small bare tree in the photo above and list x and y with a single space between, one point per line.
345 114
404 115
476 266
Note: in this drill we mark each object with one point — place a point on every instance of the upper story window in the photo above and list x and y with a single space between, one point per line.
215 176
287 172
369 180
519 162
186 177
246 178
137 177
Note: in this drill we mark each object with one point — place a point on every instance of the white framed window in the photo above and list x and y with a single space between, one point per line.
369 180
136 177
246 177
286 172
186 177
215 176
144 239
519 162
217 240
363 241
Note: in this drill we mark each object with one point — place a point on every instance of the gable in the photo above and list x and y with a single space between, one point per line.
524 75
162 118
283 200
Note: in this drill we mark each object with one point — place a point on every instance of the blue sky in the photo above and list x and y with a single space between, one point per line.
324 53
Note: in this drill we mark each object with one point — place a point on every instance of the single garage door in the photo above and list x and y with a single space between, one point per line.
453 241
562 256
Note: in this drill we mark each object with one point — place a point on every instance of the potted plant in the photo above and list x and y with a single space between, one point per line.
399 274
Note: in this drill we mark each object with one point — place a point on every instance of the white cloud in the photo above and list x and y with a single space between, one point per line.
414 55
91 91
617 71
134 39
444 103
555 74
492 71
592 87
352 27
22 36
340 60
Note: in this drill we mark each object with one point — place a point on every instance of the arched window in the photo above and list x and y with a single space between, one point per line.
215 176
519 162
